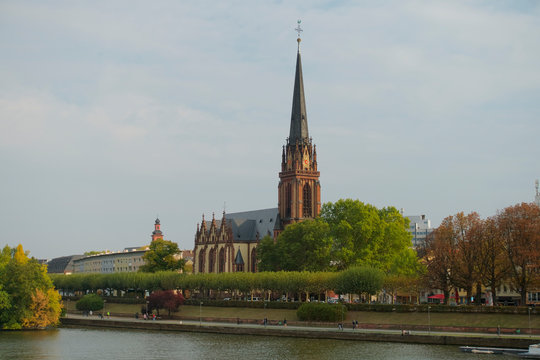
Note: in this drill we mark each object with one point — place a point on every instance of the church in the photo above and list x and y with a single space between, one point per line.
230 244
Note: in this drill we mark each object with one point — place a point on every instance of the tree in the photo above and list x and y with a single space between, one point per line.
90 302
268 255
304 246
27 295
439 257
360 280
493 262
365 235
466 236
163 255
165 299
519 229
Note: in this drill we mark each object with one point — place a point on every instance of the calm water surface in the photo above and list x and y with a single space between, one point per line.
91 344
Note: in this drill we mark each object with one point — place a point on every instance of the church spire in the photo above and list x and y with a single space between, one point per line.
299 127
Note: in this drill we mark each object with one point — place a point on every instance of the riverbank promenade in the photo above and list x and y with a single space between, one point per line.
321 332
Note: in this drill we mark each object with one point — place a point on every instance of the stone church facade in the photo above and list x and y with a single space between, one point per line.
229 244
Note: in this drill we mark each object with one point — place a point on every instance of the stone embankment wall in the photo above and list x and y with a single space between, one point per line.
434 339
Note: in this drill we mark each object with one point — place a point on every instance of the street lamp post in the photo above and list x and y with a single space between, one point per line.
429 319
200 313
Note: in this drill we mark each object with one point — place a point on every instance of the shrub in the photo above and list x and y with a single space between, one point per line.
321 312
90 302
168 300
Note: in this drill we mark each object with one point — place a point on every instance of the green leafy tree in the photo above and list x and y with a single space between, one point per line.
360 280
365 235
163 255
268 255
27 295
304 246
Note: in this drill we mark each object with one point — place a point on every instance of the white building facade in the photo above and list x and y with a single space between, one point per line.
420 228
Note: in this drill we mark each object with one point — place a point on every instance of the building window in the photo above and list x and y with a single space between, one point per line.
307 201
201 261
211 261
288 200
221 267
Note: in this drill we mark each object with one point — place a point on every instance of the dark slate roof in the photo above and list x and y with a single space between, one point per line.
58 265
247 224
299 127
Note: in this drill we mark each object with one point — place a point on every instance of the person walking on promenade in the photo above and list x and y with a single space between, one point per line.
284 322
108 314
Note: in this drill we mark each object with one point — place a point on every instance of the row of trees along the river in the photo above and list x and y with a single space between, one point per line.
468 252
356 280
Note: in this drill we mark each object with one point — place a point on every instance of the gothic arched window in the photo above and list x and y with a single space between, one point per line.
201 261
288 200
211 260
307 201
221 265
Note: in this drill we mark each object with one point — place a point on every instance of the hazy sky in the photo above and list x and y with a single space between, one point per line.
113 112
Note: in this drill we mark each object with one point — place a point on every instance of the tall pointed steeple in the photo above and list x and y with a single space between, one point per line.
299 128
299 189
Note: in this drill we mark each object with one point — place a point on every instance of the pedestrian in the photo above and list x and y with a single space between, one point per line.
284 322
356 324
145 316
498 330
340 326
90 312
108 314
353 324
153 316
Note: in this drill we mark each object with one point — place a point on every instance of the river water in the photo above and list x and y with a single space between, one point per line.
92 344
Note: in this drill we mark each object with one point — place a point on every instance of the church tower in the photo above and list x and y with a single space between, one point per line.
157 234
299 190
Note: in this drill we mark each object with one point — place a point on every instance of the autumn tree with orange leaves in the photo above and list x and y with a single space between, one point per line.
519 229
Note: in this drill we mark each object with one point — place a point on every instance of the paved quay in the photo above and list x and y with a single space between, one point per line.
421 337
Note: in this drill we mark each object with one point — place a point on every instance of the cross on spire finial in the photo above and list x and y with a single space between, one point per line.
298 29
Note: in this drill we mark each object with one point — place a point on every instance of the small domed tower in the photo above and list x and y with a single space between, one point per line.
157 234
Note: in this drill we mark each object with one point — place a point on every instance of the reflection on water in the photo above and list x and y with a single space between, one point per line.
92 344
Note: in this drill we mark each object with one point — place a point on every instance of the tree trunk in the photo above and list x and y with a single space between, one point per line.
478 294
446 296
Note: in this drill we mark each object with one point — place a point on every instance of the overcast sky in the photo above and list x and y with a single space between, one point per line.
114 112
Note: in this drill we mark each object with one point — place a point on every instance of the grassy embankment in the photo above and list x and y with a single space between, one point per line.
365 317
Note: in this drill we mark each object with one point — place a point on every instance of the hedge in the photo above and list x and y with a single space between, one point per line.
321 312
